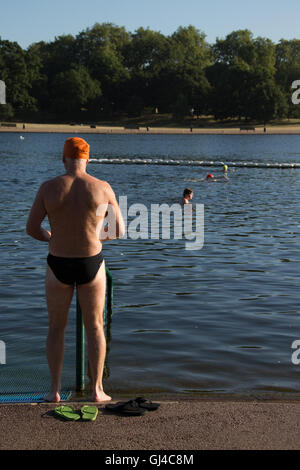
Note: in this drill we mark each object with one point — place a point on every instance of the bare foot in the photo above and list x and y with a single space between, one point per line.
100 397
53 397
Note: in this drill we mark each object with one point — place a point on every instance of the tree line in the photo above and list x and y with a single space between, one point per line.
105 72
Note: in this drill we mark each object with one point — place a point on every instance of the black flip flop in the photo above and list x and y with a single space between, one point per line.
146 404
115 406
130 407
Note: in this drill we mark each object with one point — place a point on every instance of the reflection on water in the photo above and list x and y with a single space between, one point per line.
217 320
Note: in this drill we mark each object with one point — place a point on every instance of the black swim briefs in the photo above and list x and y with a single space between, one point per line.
75 270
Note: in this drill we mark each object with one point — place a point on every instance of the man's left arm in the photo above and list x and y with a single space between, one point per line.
36 217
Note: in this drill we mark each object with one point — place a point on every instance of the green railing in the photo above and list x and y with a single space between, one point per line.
80 333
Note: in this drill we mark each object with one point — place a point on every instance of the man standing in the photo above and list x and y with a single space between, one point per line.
76 205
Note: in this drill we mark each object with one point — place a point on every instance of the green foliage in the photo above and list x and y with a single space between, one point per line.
16 74
106 71
101 50
6 112
180 107
243 78
190 55
73 91
288 70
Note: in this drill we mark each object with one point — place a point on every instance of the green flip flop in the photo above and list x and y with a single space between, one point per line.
67 413
89 413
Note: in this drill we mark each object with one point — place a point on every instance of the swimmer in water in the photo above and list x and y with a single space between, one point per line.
211 178
187 196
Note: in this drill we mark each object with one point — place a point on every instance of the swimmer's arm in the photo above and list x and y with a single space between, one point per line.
116 225
221 180
36 217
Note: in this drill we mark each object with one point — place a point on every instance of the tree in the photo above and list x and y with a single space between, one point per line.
180 106
105 67
100 49
243 78
183 70
237 47
56 56
73 91
288 70
53 58
266 100
6 112
144 57
17 76
190 55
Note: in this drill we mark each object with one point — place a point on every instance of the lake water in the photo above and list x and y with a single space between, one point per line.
220 320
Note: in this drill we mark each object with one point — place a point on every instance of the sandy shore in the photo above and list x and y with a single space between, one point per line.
68 129
176 425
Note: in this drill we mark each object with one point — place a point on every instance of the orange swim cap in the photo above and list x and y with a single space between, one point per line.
75 147
210 175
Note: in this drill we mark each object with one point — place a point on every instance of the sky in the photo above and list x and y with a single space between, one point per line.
29 21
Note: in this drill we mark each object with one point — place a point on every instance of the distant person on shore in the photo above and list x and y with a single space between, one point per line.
76 205
187 196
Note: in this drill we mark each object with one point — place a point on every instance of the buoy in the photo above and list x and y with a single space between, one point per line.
237 164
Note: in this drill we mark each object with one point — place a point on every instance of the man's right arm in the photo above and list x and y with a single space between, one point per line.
116 226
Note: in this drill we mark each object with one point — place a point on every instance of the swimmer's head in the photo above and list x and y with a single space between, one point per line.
209 176
225 168
188 193
76 148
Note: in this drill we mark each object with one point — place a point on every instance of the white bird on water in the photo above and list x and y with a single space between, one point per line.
21 137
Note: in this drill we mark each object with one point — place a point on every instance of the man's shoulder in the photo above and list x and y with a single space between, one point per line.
49 182
48 186
100 183
96 180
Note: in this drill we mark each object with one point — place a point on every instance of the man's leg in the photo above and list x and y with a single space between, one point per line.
58 297
91 297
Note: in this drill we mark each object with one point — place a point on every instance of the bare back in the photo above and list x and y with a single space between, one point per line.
71 203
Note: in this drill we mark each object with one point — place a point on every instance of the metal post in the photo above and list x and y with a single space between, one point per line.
80 372
80 356
109 306
110 286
